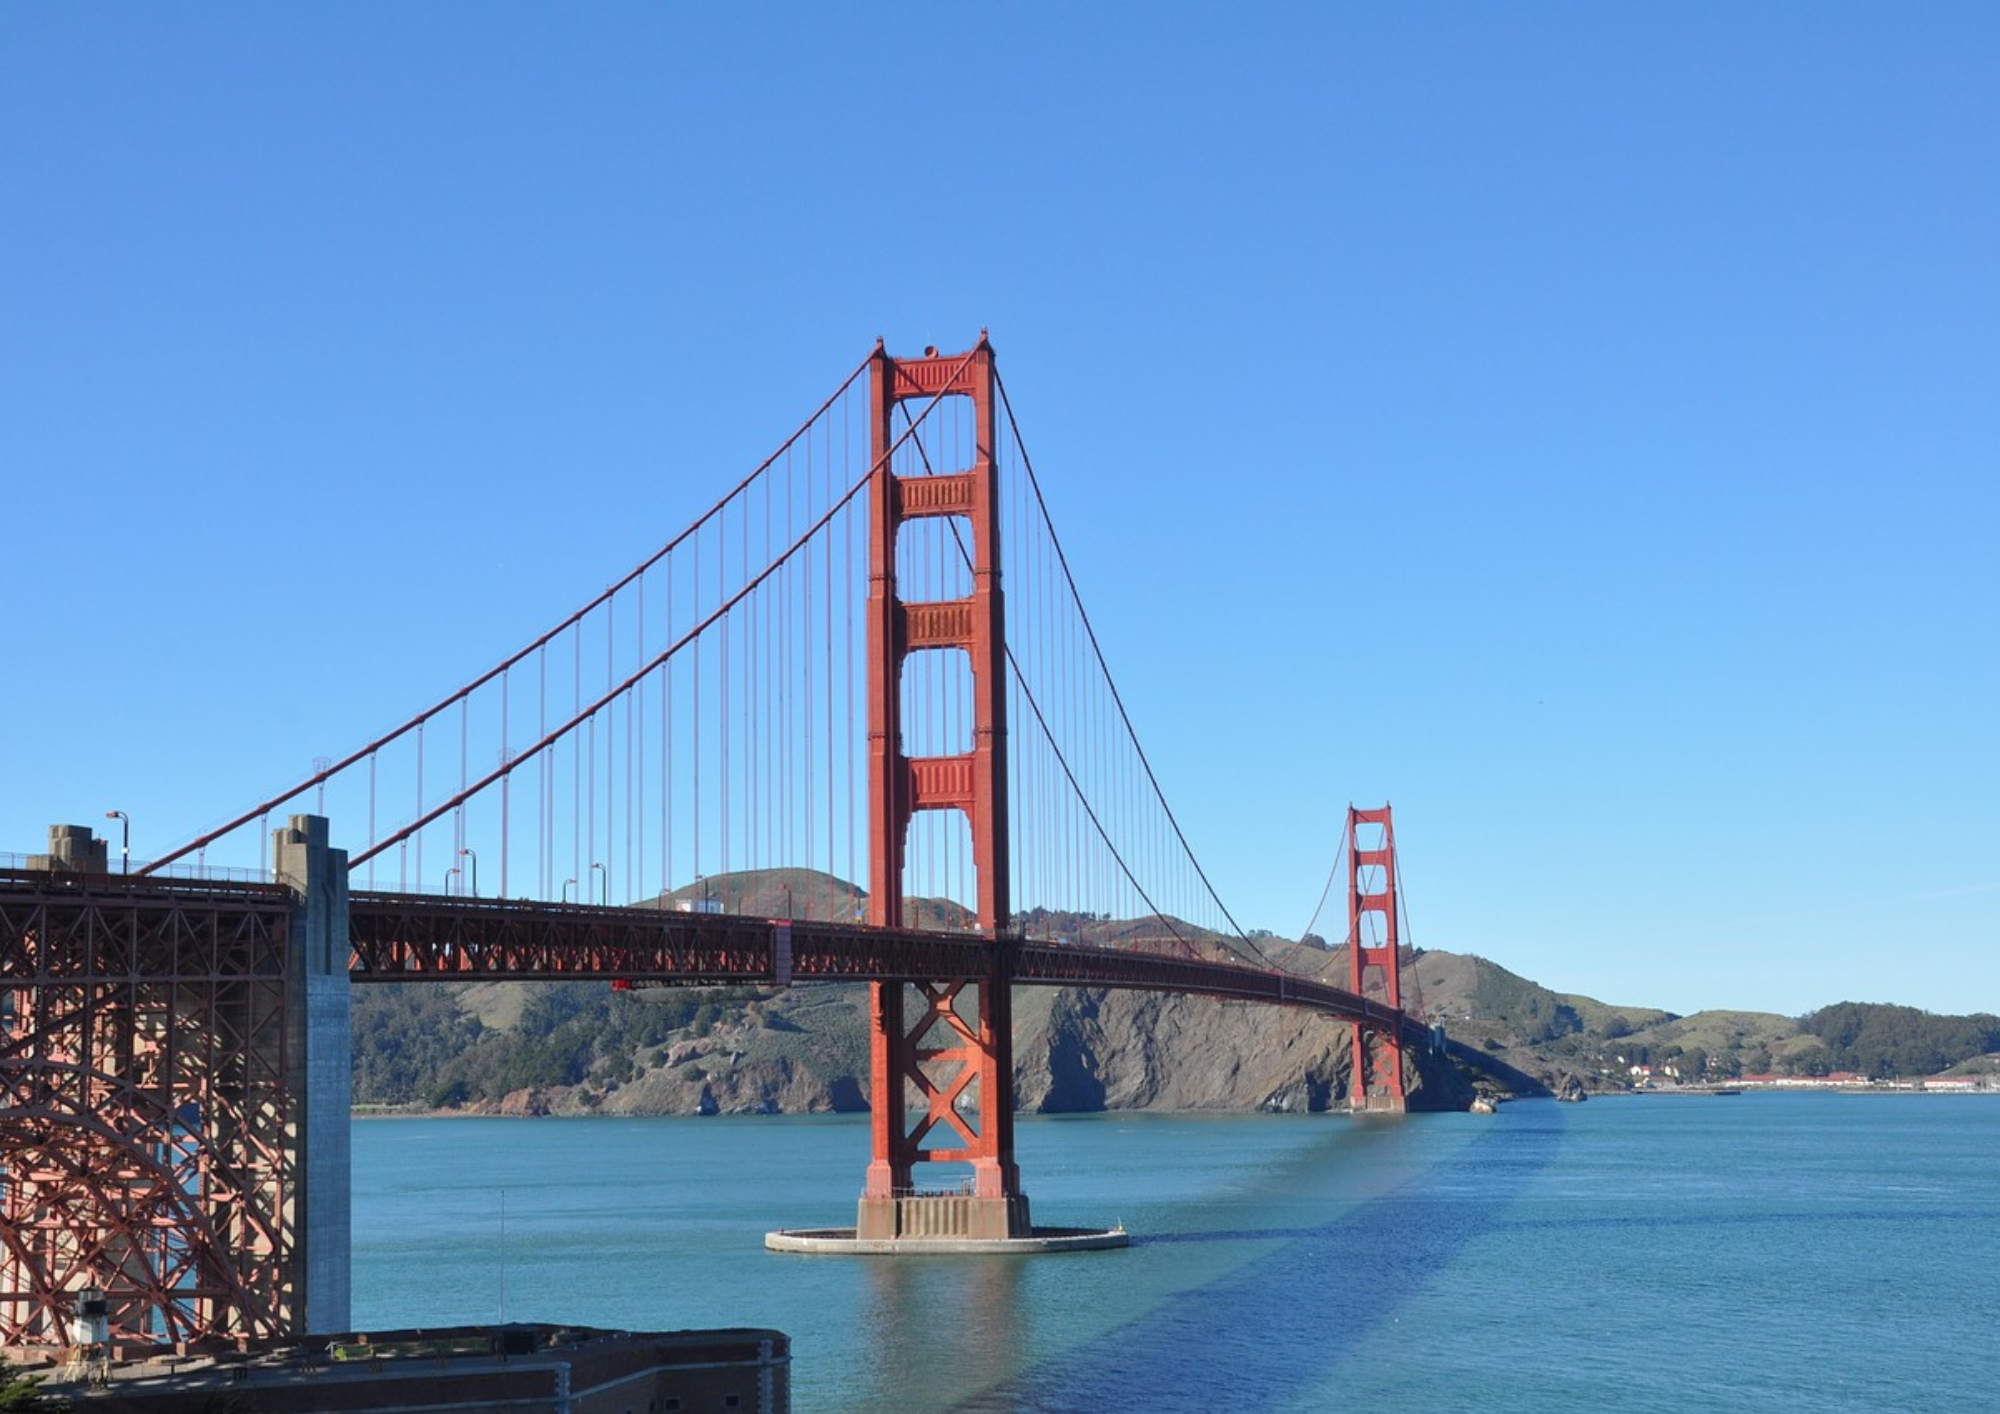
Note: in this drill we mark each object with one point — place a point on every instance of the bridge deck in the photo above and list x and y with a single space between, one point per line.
399 937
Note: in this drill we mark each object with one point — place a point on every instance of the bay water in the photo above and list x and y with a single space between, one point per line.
1798 1252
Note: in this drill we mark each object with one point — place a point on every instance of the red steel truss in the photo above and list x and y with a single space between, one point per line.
425 937
1374 968
419 937
144 1113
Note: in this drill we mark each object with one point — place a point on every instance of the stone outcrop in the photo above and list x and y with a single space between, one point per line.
1112 1050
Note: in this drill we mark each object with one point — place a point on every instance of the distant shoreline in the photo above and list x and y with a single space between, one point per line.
1797 1088
391 1112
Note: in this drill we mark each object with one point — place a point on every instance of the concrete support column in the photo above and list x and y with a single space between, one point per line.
73 849
319 1074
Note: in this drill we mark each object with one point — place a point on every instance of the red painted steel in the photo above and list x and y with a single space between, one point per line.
1377 1081
425 937
146 1114
954 1052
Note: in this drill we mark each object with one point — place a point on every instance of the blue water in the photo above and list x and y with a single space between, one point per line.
1796 1252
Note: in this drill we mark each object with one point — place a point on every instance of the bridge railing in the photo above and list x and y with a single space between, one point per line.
213 873
15 873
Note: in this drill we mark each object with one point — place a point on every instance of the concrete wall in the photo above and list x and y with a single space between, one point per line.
74 848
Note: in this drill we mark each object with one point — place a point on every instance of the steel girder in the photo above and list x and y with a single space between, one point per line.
417 937
414 937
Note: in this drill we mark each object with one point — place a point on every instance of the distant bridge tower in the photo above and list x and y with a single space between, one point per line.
954 1046
1374 969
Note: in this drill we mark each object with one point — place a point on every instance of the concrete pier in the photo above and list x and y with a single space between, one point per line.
842 1242
944 1215
319 1072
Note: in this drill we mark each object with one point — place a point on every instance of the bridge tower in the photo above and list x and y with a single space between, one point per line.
948 1042
1377 1082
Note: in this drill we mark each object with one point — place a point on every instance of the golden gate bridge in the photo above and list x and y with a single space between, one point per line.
844 666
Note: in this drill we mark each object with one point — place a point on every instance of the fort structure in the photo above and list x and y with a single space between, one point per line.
519 1369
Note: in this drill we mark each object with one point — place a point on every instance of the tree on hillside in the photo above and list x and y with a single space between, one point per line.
1893 1041
427 1050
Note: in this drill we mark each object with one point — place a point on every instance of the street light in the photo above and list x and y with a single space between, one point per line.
469 854
566 887
124 839
447 878
604 889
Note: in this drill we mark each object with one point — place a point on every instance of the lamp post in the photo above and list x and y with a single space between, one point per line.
604 885
447 878
469 854
566 888
124 839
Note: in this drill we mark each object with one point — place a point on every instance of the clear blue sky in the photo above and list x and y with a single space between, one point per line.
1577 424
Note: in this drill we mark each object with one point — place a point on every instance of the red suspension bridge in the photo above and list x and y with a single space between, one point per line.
823 672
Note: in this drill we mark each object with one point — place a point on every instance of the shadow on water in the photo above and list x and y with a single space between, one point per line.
1242 1333
1816 1218
1260 1234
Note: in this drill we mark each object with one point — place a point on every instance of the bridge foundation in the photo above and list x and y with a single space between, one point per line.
956 1060
927 1216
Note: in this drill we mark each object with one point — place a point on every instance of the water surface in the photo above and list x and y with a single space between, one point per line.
1804 1252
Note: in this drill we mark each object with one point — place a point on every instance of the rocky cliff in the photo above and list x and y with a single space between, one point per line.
1116 1050
1075 1051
